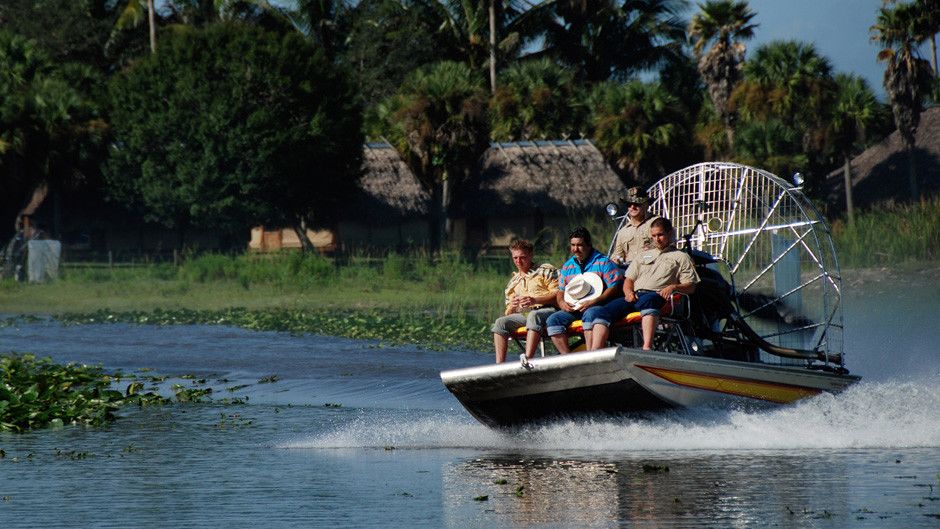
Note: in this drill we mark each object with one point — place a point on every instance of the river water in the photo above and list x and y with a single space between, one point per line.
354 434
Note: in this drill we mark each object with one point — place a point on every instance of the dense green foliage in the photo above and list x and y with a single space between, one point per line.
51 128
233 125
438 121
641 129
248 111
38 393
590 37
35 392
536 100
381 60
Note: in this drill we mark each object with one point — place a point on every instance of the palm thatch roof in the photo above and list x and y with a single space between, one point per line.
880 173
389 190
554 177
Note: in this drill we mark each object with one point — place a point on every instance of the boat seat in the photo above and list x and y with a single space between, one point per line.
675 310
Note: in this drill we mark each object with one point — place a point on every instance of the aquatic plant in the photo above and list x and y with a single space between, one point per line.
426 329
35 392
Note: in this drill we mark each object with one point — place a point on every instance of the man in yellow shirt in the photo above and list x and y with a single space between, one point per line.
530 299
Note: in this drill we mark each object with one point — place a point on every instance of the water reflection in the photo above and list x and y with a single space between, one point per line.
698 490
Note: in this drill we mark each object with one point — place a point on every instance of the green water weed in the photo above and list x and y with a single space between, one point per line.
37 393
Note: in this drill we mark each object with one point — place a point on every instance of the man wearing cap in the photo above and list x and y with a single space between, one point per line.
530 299
655 275
634 237
587 282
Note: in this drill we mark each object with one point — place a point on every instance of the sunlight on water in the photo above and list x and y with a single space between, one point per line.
869 415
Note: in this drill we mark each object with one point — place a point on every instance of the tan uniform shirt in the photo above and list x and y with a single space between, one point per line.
655 269
538 281
632 239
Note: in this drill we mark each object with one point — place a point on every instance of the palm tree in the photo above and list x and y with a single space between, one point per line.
854 114
906 75
473 31
927 25
534 99
770 144
724 23
438 122
131 15
605 39
639 129
789 80
783 100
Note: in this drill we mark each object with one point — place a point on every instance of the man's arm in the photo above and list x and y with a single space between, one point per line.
561 303
545 299
684 288
629 293
607 295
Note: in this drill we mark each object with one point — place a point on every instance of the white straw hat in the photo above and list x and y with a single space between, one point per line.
583 287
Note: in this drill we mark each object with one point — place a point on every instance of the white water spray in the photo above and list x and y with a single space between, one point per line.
868 415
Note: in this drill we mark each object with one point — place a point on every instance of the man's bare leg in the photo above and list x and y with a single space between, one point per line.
560 341
649 329
599 335
501 343
588 336
532 340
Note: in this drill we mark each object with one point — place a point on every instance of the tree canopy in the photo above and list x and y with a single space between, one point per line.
51 126
233 125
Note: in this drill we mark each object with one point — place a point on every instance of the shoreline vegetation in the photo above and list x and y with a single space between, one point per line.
447 301
438 303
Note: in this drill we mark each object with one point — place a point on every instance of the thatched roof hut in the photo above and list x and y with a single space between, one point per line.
390 190
567 176
522 188
555 177
881 172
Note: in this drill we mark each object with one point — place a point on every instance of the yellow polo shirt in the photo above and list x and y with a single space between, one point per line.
536 282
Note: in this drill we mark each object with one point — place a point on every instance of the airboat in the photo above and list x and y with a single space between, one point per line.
763 328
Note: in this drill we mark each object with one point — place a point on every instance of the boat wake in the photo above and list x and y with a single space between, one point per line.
868 415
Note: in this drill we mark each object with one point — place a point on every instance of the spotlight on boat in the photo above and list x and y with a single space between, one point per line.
612 210
797 180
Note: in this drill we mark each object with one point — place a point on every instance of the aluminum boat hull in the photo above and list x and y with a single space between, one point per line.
620 380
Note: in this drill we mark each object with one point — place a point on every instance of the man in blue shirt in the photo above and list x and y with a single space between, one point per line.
591 310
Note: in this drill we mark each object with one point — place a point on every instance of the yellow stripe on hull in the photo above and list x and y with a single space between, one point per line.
769 391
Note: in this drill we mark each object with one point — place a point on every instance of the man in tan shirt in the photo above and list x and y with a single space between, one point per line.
634 237
530 298
656 274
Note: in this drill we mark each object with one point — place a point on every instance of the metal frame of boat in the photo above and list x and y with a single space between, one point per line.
763 240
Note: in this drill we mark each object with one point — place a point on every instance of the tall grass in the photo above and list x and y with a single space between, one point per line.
890 234
433 286
442 285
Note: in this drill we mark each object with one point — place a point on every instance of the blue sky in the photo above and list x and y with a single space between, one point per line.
838 28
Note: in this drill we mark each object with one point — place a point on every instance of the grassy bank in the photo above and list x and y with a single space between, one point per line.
890 234
447 301
288 281
398 299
